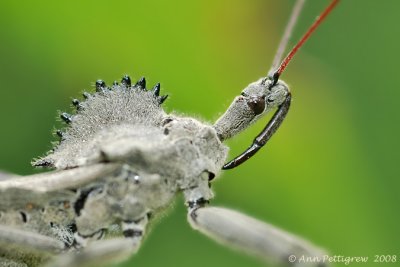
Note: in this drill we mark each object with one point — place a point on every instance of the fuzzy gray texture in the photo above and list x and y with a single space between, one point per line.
124 158
121 161
95 120
128 124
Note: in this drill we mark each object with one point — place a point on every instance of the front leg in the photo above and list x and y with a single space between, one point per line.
19 247
106 252
247 234
98 253
5 176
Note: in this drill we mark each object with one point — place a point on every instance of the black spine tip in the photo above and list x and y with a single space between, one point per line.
86 95
126 80
43 163
156 89
75 102
66 117
115 83
59 133
141 83
132 233
100 85
162 99
274 77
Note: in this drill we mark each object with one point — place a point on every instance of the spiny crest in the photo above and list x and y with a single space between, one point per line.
102 88
119 104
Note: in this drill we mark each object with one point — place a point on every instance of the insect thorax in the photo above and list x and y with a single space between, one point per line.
121 122
159 155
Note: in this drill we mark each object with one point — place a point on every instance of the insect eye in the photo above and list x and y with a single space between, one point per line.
257 104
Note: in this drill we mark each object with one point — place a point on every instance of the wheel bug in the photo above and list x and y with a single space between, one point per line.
123 159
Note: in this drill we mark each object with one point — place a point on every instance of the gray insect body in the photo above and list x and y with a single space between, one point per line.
155 156
166 153
123 159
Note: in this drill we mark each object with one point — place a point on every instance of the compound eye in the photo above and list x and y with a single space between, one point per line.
257 104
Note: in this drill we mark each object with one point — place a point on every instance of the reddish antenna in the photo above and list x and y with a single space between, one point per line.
317 22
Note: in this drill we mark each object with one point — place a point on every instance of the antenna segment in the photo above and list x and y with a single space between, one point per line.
317 22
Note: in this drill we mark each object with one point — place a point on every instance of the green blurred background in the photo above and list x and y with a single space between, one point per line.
331 172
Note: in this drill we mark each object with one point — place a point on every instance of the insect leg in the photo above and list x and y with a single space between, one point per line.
31 240
264 136
98 253
25 246
109 251
6 175
61 179
247 234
